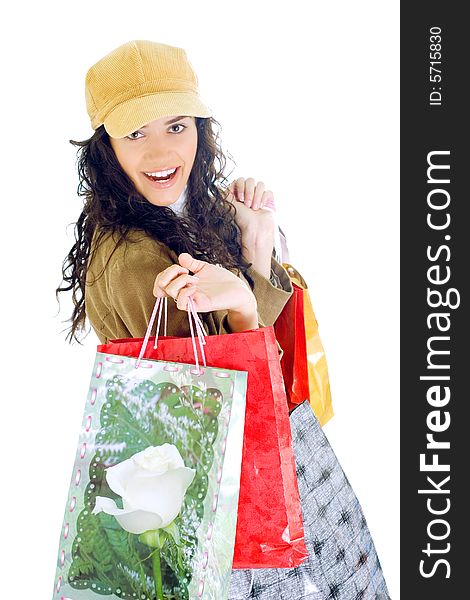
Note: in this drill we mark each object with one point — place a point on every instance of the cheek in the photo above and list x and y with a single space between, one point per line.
191 145
192 150
122 158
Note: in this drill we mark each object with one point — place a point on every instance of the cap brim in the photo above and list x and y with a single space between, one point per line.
132 114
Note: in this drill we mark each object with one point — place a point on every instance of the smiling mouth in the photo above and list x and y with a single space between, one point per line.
163 179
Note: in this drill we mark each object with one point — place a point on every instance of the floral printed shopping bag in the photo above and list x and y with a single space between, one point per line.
152 506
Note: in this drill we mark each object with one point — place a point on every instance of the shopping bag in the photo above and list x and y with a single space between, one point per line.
269 524
289 329
303 362
151 510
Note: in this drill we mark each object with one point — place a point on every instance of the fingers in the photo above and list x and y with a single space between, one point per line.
250 186
174 288
171 280
238 189
252 194
268 200
190 263
184 294
258 196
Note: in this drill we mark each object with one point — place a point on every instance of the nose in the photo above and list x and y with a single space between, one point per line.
160 154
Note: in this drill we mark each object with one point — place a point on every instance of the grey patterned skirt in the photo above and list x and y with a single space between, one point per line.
342 563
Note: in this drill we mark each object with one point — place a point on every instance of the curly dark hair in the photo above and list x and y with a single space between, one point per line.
207 229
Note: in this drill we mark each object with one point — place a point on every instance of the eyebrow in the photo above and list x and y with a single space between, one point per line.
170 121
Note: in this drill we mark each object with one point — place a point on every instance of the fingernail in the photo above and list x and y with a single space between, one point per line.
241 197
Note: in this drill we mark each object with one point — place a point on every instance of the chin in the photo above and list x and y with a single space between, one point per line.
160 200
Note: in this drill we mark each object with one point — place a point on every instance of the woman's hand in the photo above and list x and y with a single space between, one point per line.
254 208
255 218
211 288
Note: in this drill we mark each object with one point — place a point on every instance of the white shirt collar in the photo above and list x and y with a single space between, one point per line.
178 206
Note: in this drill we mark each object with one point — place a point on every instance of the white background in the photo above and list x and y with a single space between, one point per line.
307 94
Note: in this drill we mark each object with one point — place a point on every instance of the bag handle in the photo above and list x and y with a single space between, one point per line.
192 315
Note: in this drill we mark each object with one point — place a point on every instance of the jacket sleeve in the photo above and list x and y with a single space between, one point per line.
270 298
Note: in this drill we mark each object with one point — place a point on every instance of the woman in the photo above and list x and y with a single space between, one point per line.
159 220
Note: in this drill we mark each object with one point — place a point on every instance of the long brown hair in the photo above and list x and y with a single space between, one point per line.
207 229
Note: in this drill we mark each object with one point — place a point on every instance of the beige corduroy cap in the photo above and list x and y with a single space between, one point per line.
138 82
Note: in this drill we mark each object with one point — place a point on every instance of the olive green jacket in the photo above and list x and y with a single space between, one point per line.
119 286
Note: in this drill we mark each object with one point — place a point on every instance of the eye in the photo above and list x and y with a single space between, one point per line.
178 125
130 136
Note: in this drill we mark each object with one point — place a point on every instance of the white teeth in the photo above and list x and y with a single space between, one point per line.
162 173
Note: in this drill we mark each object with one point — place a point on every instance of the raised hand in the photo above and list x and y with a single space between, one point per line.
253 223
255 218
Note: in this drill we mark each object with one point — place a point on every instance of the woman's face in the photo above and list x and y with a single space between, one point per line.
161 145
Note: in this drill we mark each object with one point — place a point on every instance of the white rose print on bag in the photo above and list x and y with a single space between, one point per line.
152 484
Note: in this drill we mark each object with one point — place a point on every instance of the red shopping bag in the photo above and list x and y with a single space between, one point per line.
290 333
303 362
270 531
